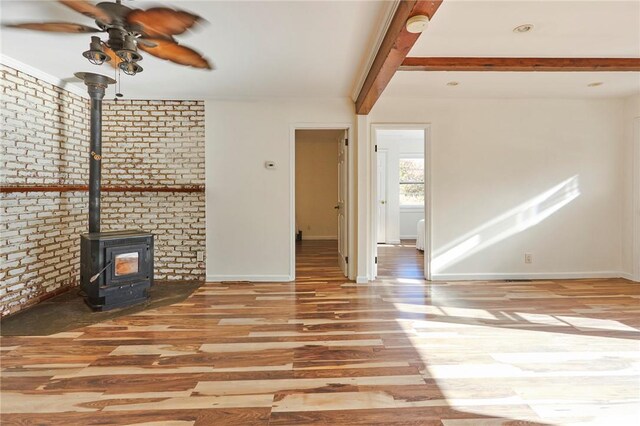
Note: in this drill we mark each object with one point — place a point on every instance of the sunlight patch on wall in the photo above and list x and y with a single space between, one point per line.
510 223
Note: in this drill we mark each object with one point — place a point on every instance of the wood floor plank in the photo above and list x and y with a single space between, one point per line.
323 350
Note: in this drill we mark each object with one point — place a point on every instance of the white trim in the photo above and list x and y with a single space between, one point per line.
351 224
408 237
527 276
627 276
371 186
635 249
249 278
41 75
361 280
319 237
389 242
364 195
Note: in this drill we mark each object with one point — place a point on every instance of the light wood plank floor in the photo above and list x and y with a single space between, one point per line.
326 351
400 260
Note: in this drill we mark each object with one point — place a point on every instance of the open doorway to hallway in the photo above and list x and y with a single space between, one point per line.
321 201
400 198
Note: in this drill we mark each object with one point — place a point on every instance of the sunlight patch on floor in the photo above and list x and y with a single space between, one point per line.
529 366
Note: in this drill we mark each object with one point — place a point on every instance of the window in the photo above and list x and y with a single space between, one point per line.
411 182
126 264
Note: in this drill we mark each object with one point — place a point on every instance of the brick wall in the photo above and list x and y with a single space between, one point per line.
44 133
157 143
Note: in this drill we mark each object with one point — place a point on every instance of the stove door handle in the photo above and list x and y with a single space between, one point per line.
95 277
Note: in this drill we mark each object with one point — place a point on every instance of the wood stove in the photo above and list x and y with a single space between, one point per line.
116 268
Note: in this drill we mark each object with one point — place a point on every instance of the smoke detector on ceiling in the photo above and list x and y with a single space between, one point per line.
417 24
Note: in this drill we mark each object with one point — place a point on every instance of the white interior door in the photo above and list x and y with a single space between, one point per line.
342 205
382 196
636 201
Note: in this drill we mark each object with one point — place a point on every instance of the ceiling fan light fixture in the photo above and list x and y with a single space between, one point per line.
130 68
96 54
129 51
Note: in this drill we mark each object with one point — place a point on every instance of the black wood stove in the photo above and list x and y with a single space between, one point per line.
116 268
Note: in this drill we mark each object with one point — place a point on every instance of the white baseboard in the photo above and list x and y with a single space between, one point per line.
526 276
629 276
250 278
362 280
408 237
319 237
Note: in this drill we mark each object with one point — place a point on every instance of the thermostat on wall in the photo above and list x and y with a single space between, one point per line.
271 165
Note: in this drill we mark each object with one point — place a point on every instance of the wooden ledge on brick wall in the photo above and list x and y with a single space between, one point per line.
106 188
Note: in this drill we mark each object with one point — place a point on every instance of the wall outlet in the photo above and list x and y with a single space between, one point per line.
200 256
528 258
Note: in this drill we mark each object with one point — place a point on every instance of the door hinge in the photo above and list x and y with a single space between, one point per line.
376 260
346 142
376 148
346 259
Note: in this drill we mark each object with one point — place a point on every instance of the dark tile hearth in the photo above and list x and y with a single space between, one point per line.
68 310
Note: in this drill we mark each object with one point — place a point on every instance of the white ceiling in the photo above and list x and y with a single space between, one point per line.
570 28
318 49
260 48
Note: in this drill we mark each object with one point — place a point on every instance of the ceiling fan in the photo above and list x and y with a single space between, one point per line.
128 29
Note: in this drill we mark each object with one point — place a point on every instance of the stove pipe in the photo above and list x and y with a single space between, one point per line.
96 85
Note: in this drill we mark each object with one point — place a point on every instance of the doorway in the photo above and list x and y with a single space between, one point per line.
321 208
401 217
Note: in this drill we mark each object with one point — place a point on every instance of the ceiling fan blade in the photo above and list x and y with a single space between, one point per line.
56 27
88 9
161 21
172 51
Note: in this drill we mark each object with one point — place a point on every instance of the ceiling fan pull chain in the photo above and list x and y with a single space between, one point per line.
119 94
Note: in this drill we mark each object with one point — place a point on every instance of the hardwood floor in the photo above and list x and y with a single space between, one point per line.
400 260
326 351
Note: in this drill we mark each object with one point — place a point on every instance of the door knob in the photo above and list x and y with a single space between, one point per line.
336 207
382 202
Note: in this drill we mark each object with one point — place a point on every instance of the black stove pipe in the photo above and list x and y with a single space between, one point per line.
96 85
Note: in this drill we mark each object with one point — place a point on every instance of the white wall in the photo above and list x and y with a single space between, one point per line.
249 207
565 158
400 222
631 211
409 219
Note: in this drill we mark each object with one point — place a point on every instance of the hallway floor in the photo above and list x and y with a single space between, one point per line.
400 260
322 350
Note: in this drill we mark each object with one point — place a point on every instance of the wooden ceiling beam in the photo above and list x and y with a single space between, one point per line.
395 47
521 64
